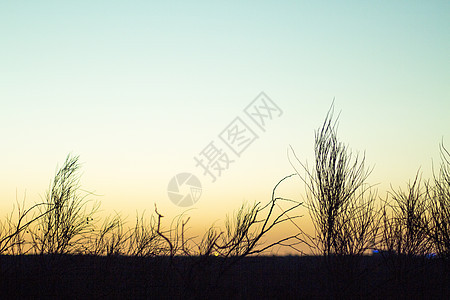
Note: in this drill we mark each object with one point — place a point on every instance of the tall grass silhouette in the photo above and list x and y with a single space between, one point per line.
62 239
340 203
440 207
341 206
65 220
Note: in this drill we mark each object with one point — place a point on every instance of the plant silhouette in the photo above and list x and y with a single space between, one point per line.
60 247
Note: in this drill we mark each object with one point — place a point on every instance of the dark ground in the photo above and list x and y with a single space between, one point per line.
270 277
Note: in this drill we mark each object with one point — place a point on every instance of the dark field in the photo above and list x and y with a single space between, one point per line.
267 277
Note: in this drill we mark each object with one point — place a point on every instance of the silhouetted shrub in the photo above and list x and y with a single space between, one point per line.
66 218
341 206
440 207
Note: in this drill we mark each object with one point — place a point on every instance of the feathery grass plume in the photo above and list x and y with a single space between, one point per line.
440 207
340 203
341 207
406 229
67 219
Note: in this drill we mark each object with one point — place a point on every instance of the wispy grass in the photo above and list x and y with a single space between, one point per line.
348 217
66 217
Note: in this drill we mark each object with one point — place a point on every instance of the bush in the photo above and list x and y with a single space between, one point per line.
66 219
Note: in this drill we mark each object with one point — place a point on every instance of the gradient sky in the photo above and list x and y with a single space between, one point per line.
138 88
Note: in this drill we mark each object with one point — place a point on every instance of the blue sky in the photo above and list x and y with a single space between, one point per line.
138 88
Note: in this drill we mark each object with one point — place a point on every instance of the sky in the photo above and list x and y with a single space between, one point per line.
139 89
